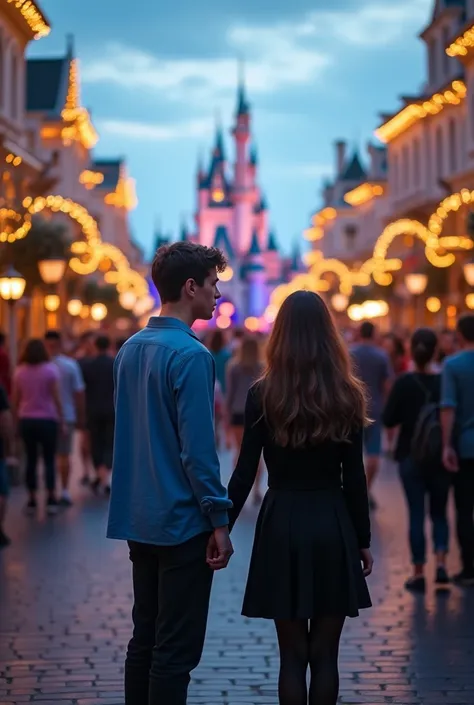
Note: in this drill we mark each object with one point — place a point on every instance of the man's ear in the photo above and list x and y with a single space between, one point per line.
190 288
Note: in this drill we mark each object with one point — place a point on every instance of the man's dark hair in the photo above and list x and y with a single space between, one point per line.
367 330
3 338
466 327
102 343
52 335
174 264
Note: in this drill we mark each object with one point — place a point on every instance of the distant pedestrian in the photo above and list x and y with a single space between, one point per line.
395 349
448 345
457 418
100 415
36 402
311 550
372 365
242 373
221 354
6 451
84 351
413 395
167 497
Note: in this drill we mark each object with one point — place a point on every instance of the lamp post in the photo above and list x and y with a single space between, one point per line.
12 287
52 270
416 283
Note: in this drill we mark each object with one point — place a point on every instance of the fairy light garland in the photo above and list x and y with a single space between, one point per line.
32 16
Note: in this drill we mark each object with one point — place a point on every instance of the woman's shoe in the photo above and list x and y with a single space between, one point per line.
416 584
442 577
31 507
52 506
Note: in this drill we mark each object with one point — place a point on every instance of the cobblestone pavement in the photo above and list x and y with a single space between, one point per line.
65 620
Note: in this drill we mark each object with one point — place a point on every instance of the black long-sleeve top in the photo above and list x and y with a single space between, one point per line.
326 465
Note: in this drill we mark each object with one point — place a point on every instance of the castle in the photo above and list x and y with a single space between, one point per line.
232 214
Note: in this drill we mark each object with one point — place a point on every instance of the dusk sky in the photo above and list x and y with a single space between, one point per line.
155 74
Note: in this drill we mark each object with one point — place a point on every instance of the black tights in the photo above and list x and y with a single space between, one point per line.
314 644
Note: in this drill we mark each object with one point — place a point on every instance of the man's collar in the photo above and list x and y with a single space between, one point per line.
169 322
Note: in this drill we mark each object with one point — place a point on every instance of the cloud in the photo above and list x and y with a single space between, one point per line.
156 132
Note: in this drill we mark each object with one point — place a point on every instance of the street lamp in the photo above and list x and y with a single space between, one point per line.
12 287
74 307
416 283
98 312
469 272
52 270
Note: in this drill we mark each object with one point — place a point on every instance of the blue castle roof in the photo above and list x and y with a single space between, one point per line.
354 170
222 241
254 248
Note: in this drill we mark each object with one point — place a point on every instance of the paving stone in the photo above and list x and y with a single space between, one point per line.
65 601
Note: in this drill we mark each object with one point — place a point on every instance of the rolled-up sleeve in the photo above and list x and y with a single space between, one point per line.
449 397
194 389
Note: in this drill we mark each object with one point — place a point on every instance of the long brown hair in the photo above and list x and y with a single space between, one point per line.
309 391
34 353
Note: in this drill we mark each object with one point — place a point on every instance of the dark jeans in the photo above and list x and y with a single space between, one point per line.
419 485
464 498
172 586
40 434
101 431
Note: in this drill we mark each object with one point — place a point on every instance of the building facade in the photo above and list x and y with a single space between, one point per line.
416 183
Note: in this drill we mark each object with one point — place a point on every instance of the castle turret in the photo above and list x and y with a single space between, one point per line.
272 259
243 188
256 278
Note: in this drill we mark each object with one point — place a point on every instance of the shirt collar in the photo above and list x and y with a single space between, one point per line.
168 322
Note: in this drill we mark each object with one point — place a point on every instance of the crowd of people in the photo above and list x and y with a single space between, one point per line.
45 402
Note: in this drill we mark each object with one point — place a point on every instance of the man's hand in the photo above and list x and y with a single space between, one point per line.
450 459
367 561
219 549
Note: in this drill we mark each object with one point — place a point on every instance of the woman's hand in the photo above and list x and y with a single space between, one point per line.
367 560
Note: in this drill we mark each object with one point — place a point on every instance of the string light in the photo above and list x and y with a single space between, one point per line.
223 322
124 195
363 193
90 179
433 304
409 115
316 231
226 275
79 127
9 235
227 309
252 324
462 44
470 301
32 16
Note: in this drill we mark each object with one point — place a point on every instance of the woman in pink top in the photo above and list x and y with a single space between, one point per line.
37 406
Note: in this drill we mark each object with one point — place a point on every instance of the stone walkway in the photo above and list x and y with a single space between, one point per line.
65 620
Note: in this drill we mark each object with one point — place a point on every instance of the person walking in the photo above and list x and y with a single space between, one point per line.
6 451
98 372
71 386
36 403
241 375
167 497
311 552
413 397
457 418
372 365
5 366
84 352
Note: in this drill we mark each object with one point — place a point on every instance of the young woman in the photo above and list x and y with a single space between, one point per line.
408 396
313 533
395 349
241 375
36 402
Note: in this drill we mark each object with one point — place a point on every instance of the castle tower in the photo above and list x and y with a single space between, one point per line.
243 188
256 278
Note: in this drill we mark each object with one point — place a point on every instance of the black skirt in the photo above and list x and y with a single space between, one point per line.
305 560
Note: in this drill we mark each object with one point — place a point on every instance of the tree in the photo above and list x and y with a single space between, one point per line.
47 239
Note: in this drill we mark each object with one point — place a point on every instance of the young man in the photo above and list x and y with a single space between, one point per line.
84 352
167 497
373 367
457 419
71 386
98 374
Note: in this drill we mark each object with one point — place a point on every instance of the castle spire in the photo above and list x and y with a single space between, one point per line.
243 106
219 138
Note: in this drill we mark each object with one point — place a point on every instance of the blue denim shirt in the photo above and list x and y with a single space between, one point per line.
166 485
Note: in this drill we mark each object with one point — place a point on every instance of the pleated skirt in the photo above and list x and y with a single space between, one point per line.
305 559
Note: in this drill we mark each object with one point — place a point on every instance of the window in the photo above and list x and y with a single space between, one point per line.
2 77
394 173
405 168
452 132
439 153
416 163
446 60
14 77
350 232
432 60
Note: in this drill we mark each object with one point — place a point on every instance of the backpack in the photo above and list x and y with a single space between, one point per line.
427 441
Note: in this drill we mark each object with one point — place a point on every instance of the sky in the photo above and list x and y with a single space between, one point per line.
156 75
